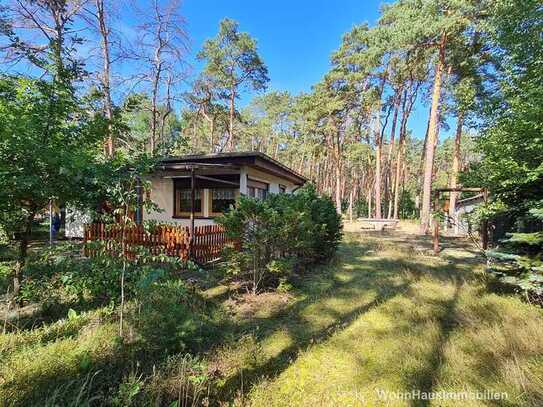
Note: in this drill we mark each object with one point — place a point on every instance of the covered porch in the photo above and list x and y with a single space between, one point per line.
194 190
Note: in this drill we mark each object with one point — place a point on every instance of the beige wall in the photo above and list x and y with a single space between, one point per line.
162 195
270 179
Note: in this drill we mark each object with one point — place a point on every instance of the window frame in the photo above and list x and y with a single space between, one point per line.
210 200
177 214
257 185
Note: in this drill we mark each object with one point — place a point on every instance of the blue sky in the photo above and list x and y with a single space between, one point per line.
295 38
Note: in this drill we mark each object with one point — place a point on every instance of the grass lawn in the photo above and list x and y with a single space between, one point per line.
385 317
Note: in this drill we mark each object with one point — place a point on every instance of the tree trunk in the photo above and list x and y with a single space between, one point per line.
378 152
421 162
378 181
106 75
369 199
21 256
399 158
231 124
390 177
212 138
154 116
351 199
338 186
433 134
406 112
455 166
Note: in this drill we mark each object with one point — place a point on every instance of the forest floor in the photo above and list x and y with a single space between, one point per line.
385 320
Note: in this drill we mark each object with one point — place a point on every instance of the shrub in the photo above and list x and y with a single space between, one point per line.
60 274
171 317
280 235
519 262
182 380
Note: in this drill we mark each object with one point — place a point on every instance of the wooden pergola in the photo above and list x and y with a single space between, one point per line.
484 223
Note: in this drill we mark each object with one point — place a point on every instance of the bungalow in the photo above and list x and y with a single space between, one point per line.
217 180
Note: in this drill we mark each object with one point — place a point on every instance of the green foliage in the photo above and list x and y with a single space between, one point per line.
512 140
60 275
183 380
48 145
232 59
280 234
519 262
171 317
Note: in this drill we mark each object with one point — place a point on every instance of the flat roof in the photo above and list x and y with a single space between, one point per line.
254 159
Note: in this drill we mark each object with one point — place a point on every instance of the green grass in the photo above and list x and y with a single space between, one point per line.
385 315
394 320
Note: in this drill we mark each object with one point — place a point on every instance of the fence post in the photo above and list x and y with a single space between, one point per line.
484 224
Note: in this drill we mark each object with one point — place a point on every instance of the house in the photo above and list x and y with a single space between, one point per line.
217 180
464 207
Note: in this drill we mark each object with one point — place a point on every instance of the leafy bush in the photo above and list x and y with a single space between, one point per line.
279 235
171 317
82 360
61 274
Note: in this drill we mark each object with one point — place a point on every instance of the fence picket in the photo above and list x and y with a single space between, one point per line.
208 242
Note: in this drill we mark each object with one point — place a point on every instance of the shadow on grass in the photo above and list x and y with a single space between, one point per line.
376 279
426 379
330 299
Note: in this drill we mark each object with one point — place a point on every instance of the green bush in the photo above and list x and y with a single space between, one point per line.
519 260
62 275
171 317
280 235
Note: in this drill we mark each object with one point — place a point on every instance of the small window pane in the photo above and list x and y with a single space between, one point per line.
222 198
184 200
258 193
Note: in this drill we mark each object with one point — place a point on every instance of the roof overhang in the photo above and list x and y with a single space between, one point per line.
230 161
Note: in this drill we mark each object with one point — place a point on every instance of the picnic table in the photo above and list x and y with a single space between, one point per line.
378 224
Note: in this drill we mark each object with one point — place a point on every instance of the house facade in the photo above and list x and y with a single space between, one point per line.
464 207
217 181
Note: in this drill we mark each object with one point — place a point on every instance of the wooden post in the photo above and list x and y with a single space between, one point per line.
484 224
436 224
139 201
50 222
192 184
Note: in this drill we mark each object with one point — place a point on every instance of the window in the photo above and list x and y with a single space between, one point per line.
183 202
258 193
221 199
282 189
257 189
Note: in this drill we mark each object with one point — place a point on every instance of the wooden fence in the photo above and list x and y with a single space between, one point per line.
171 240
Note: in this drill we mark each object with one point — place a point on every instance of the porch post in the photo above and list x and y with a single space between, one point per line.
192 184
243 181
139 201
